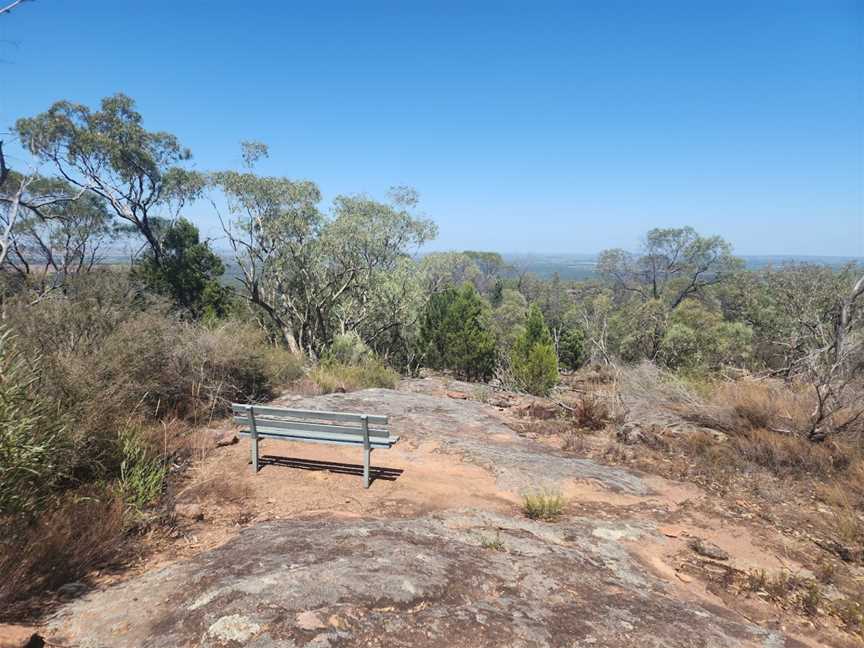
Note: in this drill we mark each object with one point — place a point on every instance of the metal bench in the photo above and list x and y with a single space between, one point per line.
341 428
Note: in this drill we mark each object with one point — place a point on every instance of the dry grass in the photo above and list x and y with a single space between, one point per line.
752 405
83 531
333 377
590 412
574 442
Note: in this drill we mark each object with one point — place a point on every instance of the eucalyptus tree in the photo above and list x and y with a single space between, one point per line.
274 227
26 196
55 238
445 269
671 266
370 246
108 152
315 274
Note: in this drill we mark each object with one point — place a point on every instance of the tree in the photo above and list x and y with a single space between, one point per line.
698 337
455 335
109 153
482 269
509 317
188 272
592 313
672 265
26 194
9 7
533 359
316 275
807 323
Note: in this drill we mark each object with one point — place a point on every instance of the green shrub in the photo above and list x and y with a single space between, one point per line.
187 271
455 334
333 377
533 359
697 337
348 349
571 349
543 505
34 449
280 366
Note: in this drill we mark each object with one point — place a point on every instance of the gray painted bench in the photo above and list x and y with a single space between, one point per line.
369 431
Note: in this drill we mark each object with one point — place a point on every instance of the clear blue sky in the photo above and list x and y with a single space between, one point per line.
547 127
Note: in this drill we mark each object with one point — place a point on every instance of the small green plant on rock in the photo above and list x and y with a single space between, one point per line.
543 505
495 544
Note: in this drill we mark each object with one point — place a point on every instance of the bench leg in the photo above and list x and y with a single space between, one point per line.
255 453
367 452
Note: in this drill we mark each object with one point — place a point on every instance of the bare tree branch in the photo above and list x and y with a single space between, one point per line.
12 5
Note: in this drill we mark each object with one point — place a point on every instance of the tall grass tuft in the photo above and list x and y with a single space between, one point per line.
543 505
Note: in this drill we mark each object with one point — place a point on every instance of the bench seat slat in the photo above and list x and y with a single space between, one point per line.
241 409
287 424
380 444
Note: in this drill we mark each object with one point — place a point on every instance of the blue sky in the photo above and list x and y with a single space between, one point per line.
532 126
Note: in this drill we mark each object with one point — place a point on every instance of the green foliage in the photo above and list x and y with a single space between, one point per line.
533 359
187 271
109 153
313 274
481 269
142 468
698 337
543 505
33 443
571 349
673 265
348 349
58 233
509 318
455 334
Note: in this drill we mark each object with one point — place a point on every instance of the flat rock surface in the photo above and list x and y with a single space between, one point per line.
456 578
439 556
470 429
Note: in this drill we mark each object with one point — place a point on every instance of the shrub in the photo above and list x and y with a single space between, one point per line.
698 337
534 362
455 334
543 505
571 349
750 404
81 531
34 448
332 377
590 412
348 349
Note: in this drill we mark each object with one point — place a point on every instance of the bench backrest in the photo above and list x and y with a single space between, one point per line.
281 420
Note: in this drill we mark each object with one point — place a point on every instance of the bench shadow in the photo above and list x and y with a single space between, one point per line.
375 472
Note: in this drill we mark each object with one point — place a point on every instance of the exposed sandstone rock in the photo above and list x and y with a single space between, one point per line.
415 583
20 636
708 549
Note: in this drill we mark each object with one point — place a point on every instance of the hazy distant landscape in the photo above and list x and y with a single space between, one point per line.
579 267
583 266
